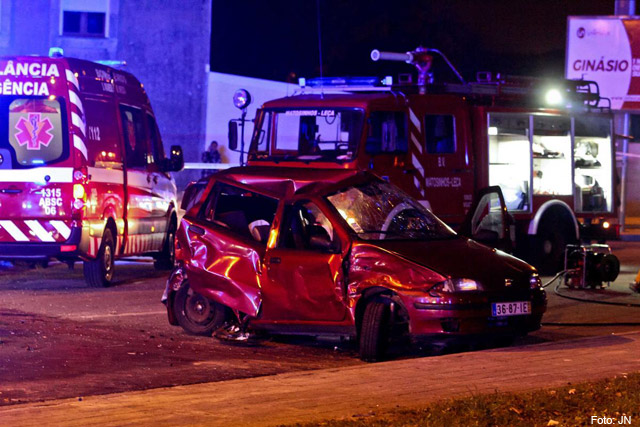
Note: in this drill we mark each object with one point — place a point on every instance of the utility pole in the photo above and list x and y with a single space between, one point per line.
624 8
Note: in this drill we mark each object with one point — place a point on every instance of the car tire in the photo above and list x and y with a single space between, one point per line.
99 272
197 314
167 258
374 332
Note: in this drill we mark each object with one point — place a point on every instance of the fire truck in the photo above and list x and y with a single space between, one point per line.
546 148
83 173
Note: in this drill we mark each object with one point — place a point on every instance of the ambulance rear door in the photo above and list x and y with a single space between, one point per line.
36 158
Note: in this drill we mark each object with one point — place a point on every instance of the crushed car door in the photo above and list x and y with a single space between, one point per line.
488 220
227 244
304 270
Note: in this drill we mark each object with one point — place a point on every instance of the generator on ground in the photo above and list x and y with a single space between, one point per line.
590 266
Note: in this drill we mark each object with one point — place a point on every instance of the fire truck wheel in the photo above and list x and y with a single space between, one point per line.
197 314
99 272
551 242
374 332
167 258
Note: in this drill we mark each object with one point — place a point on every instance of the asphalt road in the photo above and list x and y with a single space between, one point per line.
59 338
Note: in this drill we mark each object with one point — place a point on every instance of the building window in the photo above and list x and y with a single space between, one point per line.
83 24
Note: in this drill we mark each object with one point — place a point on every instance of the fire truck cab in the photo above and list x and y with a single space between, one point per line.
444 143
83 173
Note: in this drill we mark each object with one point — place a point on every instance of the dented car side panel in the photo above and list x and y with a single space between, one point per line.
221 266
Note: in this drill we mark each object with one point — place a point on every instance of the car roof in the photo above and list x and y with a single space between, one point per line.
283 181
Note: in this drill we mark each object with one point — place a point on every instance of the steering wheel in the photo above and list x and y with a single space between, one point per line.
391 215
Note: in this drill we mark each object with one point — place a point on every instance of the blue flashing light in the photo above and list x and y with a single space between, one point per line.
343 81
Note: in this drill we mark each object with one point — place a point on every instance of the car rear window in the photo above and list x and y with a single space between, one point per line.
35 132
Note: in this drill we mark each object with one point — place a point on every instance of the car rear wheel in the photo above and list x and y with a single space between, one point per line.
197 314
99 272
374 332
167 258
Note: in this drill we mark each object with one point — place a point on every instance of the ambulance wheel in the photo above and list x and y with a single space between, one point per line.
374 332
167 258
197 314
99 272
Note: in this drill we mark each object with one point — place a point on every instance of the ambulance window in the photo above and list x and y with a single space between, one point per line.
155 140
387 132
134 140
439 133
103 138
510 158
36 136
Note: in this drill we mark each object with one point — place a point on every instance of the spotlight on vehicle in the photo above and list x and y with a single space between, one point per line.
553 97
241 99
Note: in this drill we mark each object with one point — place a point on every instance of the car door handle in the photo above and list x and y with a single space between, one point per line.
274 260
196 230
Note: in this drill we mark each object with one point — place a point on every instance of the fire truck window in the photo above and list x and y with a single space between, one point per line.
103 147
305 227
35 133
552 156
387 132
243 212
510 158
593 174
439 132
157 149
313 135
134 138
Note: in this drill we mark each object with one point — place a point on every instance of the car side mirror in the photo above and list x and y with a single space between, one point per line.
233 135
175 162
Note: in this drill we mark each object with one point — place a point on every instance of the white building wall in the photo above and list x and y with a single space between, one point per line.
220 108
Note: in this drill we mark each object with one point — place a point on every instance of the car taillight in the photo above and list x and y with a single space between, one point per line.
68 248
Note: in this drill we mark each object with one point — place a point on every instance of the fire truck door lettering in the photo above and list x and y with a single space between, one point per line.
441 162
443 182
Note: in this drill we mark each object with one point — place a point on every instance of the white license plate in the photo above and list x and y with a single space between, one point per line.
517 308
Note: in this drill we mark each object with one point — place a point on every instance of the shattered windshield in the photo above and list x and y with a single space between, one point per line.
308 134
381 211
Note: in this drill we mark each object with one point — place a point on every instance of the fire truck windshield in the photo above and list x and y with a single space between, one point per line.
307 134
380 211
33 132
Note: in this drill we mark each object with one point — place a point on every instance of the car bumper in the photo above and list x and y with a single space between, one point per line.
40 251
468 317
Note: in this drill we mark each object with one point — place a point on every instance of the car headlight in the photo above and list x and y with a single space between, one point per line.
457 285
534 281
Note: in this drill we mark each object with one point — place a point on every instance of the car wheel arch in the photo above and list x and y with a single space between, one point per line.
371 294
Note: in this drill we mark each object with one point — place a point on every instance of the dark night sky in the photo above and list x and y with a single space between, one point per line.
272 38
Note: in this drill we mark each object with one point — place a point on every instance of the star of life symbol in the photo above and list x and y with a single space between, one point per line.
34 132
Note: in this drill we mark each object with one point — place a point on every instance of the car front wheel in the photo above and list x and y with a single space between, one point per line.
197 314
374 332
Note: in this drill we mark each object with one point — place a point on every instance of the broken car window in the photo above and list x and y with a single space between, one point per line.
241 211
381 211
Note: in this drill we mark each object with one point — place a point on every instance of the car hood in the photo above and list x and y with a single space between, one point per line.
461 258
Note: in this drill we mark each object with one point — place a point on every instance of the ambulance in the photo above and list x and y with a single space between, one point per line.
548 148
83 173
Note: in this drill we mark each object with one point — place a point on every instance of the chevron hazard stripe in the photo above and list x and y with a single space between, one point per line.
40 231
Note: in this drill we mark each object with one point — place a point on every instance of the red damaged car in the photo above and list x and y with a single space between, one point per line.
345 253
